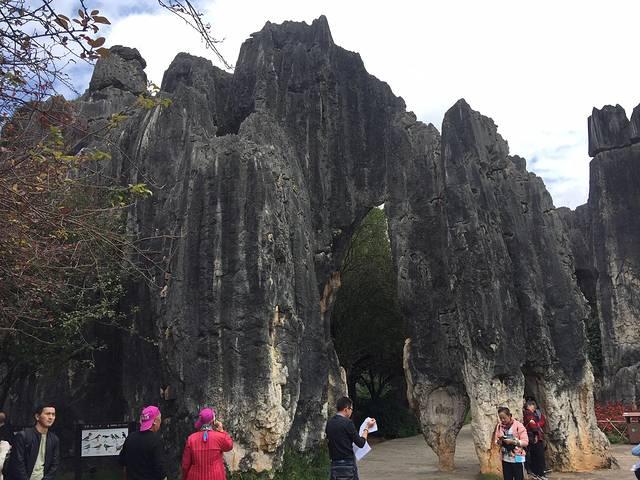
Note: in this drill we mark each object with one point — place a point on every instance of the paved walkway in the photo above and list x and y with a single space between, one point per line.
412 459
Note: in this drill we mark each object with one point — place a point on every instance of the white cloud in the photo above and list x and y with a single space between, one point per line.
537 68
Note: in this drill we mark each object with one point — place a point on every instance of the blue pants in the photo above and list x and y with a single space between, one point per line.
344 470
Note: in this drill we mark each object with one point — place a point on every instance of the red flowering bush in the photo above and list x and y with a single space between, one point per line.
610 417
611 411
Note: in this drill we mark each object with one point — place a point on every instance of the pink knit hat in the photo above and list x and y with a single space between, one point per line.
147 417
207 415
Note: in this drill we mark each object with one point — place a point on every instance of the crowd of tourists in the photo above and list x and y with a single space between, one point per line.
34 452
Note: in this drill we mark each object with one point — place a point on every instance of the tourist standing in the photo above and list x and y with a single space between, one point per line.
534 420
6 439
636 468
35 452
142 454
341 434
512 437
202 458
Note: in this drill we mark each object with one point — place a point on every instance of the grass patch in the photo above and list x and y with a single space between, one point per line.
296 466
615 438
489 476
467 417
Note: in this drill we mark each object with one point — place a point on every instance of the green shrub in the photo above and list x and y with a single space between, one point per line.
296 466
489 476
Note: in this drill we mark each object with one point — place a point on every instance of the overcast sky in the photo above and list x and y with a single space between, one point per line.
536 67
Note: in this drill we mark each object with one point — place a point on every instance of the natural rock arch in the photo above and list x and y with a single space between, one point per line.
259 178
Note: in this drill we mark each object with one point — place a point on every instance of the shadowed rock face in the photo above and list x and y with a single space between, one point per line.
260 178
607 247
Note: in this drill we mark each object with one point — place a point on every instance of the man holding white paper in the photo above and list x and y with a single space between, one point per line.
341 433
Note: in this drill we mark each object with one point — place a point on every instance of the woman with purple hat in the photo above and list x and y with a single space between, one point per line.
202 458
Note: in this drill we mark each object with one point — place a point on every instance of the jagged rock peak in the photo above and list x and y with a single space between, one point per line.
293 32
608 129
470 129
192 71
122 69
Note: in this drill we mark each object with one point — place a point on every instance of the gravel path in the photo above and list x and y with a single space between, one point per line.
412 459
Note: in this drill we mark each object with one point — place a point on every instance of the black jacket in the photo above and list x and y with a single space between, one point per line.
143 456
341 433
24 453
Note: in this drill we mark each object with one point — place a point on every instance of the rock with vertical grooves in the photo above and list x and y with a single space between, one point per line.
612 252
634 125
259 180
122 69
608 129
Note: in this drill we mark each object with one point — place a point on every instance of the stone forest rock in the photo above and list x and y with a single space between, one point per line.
259 179
608 129
606 245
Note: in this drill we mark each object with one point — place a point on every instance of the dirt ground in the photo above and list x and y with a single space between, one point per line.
412 459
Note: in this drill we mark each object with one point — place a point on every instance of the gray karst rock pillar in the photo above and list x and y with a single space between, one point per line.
493 257
613 206
604 236
259 179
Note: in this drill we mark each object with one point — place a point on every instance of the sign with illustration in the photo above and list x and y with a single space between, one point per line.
102 440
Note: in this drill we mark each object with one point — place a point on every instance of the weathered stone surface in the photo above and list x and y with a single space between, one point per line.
259 179
614 200
634 125
187 71
520 311
123 69
608 129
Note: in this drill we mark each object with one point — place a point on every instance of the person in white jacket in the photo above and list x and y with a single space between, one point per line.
4 451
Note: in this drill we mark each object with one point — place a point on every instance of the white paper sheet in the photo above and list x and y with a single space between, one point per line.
361 452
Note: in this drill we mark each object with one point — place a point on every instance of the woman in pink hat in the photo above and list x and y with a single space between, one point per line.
202 458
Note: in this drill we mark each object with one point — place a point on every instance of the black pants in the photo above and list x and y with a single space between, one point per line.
637 472
535 458
513 471
344 470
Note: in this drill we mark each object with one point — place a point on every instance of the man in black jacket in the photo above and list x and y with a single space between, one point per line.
35 453
142 454
341 433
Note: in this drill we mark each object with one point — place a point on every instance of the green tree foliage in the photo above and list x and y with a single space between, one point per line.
368 328
63 244
64 248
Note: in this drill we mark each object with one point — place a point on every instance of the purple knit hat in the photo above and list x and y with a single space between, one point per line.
207 415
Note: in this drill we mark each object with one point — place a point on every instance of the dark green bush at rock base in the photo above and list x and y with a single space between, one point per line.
296 466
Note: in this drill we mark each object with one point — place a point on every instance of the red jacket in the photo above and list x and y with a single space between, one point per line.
203 460
534 422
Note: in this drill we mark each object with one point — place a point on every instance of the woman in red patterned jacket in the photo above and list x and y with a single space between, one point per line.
534 420
202 458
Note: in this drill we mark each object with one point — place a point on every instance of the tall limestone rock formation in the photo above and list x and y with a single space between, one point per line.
605 235
512 319
260 178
